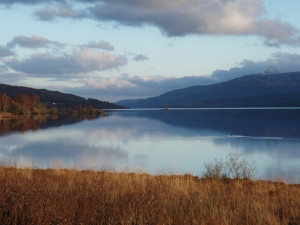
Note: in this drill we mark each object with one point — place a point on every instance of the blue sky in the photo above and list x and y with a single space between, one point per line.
120 49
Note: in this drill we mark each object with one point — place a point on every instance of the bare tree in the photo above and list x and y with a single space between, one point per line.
5 102
35 100
23 99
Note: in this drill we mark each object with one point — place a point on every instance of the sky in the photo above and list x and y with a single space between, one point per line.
122 49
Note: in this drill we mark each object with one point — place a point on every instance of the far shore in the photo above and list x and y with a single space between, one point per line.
14 115
9 115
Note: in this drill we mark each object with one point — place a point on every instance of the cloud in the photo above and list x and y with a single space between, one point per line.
84 61
283 62
63 10
140 57
27 2
5 52
11 77
3 69
125 86
80 61
277 33
71 147
183 17
100 44
32 42
178 18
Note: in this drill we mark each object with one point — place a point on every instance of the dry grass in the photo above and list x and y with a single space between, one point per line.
34 196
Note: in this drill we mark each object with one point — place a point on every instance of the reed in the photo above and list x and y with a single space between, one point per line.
35 196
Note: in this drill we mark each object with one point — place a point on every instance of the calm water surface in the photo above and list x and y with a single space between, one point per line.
158 141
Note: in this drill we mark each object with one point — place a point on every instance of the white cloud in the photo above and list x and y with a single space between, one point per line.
183 17
63 10
125 86
92 60
110 82
79 61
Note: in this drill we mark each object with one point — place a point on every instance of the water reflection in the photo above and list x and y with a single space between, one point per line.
29 122
284 123
179 141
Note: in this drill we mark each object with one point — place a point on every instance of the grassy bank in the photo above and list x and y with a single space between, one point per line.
34 196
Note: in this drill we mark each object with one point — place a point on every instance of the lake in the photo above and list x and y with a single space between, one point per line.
159 141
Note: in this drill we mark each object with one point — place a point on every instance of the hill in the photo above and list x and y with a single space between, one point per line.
257 90
56 98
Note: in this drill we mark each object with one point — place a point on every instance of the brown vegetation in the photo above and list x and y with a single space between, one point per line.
23 104
233 166
34 196
81 111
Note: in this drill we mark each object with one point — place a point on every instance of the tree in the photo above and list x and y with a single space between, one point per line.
35 100
5 103
23 99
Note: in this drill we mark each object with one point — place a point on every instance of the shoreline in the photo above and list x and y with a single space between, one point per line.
6 115
9 115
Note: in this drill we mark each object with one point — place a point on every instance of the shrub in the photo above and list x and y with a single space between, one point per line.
233 167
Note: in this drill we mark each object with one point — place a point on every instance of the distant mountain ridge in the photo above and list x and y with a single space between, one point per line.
257 90
56 98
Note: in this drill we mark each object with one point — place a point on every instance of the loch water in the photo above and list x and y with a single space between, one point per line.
159 141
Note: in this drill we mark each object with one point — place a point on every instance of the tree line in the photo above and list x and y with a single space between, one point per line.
23 104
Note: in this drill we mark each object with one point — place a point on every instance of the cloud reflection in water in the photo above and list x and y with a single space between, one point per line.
156 141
